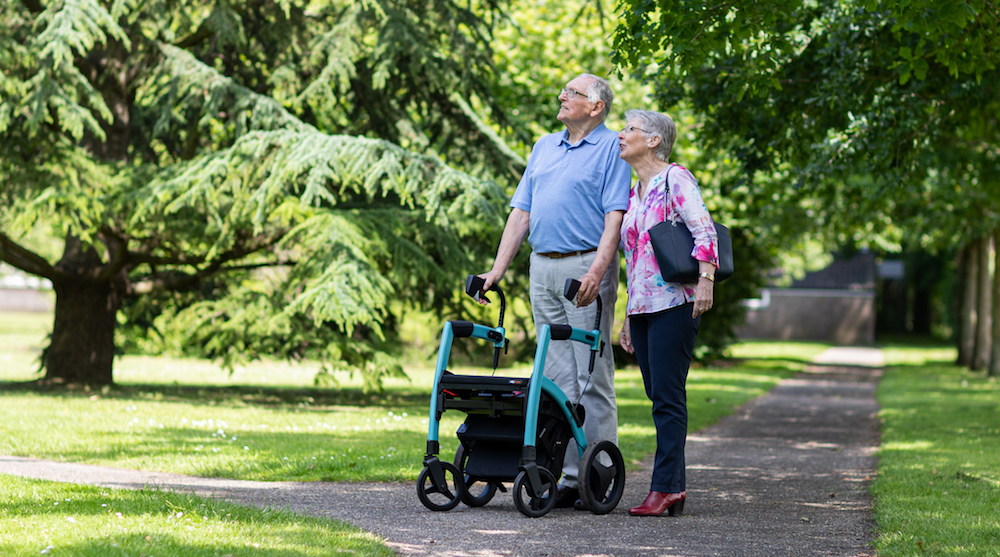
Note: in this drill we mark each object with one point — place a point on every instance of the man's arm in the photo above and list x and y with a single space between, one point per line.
607 254
514 234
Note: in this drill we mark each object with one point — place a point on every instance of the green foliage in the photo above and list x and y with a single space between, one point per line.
857 124
755 40
255 178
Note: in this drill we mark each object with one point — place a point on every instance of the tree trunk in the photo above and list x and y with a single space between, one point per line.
984 306
994 369
957 300
82 346
926 275
967 312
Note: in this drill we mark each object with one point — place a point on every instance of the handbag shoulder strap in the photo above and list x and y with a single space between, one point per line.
669 194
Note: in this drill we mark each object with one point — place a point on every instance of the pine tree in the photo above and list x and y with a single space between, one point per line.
261 177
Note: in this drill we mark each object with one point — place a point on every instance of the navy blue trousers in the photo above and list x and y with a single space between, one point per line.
664 346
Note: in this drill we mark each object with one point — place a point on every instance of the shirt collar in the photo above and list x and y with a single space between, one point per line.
590 138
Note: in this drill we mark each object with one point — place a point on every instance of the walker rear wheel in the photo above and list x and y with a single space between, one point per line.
442 497
478 492
535 504
602 477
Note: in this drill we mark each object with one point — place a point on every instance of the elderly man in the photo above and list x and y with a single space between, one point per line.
569 205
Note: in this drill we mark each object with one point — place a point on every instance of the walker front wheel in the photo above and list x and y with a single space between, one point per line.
602 477
478 492
535 503
441 495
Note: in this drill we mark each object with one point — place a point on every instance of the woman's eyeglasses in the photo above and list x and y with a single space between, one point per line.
630 129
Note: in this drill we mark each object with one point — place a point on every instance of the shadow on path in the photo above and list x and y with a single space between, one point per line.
787 474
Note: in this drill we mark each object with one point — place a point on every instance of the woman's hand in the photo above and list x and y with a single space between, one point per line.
704 296
625 338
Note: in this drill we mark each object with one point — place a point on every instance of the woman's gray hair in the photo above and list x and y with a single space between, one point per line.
655 124
599 90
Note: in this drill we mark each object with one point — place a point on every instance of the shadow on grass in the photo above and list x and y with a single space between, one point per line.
232 395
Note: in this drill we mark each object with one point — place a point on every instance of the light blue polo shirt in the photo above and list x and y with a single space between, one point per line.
567 189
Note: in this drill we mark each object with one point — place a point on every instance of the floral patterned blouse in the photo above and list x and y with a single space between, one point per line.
647 291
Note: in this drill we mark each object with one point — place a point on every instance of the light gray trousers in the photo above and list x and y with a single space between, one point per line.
567 363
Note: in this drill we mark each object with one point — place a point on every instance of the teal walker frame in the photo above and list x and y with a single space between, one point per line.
517 429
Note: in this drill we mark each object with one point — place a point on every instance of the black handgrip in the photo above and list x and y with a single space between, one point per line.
474 286
572 287
560 332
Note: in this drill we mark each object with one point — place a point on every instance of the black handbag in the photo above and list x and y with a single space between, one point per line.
673 244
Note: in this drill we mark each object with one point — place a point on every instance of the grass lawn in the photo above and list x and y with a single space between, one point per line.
937 491
39 518
265 422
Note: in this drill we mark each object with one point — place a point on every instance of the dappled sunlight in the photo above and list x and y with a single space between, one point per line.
714 387
921 446
803 351
938 471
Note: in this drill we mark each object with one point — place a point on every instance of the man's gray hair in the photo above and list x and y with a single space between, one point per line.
655 124
599 90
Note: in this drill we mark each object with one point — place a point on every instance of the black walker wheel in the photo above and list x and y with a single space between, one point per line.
602 477
444 497
478 492
535 504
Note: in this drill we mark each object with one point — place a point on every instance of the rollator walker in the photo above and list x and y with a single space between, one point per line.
517 429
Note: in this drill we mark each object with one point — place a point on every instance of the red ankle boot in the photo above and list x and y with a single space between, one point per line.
656 503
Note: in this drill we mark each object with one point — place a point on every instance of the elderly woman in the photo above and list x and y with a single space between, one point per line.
662 317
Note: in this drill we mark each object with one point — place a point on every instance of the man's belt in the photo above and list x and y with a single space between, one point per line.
557 255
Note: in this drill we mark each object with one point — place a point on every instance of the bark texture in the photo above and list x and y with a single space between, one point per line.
967 310
984 306
82 348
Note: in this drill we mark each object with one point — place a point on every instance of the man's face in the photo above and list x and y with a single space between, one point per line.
578 108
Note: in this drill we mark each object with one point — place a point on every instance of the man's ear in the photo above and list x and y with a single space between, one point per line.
598 109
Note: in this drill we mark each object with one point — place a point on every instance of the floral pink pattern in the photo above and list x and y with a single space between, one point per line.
647 291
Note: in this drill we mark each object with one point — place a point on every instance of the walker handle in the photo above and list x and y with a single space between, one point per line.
474 287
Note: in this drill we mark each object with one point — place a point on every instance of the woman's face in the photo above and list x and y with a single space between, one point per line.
632 142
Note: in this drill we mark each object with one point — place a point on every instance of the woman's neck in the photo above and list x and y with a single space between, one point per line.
648 168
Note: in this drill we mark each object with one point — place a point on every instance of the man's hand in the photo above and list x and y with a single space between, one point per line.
590 287
492 277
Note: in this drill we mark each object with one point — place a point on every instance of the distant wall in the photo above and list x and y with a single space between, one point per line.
26 299
845 317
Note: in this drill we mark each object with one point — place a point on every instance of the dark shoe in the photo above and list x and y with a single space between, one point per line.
566 497
656 503
578 505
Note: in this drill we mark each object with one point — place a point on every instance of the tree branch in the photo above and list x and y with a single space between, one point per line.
195 38
178 280
25 259
34 6
119 255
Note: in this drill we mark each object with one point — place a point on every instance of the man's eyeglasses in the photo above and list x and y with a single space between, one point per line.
571 93
630 129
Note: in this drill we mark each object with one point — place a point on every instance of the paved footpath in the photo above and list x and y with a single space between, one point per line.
786 475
